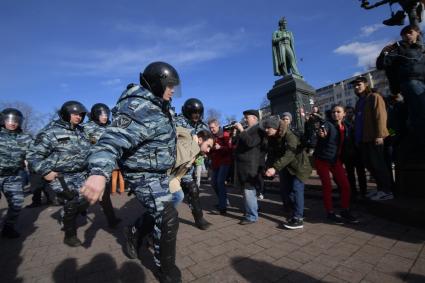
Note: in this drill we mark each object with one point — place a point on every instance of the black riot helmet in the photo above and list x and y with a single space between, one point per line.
157 76
193 106
98 110
11 115
72 107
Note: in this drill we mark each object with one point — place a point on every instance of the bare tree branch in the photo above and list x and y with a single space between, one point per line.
213 113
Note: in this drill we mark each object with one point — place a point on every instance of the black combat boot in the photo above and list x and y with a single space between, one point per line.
9 232
200 221
192 192
169 272
71 239
172 275
71 210
132 241
135 234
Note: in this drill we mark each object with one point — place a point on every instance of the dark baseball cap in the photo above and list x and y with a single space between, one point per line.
252 112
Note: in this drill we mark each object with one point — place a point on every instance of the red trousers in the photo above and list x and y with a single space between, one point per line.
323 169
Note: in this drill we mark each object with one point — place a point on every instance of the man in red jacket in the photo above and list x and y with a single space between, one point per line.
221 159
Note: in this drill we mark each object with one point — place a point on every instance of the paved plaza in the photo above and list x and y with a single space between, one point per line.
376 250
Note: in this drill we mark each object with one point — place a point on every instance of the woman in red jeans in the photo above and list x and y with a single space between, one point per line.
332 140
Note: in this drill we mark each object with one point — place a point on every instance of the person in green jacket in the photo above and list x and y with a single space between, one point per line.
286 156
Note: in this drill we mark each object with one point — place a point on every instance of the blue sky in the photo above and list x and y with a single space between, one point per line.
54 51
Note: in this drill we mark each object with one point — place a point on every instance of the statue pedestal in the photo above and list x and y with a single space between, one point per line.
292 94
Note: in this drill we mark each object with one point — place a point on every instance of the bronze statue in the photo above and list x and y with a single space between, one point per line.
284 60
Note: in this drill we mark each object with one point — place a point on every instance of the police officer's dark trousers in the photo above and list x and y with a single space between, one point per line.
11 187
107 207
152 190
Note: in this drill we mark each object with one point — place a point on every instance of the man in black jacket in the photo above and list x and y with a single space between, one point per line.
250 155
404 64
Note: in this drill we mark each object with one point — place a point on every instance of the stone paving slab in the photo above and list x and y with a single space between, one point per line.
376 250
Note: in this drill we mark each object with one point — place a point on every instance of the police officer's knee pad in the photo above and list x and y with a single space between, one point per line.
170 222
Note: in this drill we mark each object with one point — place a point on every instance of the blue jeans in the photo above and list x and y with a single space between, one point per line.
295 189
251 204
177 198
218 178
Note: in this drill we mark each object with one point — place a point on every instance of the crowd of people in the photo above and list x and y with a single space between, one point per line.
160 155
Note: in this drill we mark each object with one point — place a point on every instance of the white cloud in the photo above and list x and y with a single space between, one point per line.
366 52
111 82
368 30
182 46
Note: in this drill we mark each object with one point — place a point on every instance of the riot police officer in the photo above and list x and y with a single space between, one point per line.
99 121
142 139
191 118
14 145
59 154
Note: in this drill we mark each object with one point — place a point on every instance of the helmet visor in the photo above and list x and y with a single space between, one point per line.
12 119
103 113
173 84
177 91
103 116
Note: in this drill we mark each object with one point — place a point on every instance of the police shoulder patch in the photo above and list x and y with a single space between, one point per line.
121 122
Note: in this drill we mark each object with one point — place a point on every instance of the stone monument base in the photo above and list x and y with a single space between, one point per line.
292 94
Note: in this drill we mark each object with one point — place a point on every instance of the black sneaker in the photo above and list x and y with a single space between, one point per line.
347 217
294 223
132 241
72 241
335 218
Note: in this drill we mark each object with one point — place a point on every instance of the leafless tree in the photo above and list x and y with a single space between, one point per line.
33 120
213 113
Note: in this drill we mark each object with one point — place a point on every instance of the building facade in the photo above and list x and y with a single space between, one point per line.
343 93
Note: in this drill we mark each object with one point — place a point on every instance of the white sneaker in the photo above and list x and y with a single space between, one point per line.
382 196
260 196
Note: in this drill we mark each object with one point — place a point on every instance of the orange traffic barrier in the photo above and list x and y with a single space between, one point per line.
117 178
